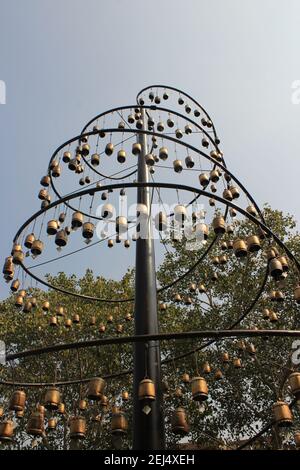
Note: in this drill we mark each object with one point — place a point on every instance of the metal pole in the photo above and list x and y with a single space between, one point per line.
148 429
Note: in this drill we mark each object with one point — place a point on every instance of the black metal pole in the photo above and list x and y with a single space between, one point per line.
148 429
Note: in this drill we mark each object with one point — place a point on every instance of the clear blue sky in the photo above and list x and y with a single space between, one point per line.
63 61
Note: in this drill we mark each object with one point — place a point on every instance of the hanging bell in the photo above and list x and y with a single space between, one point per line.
237 363
215 261
27 307
92 321
125 395
196 113
178 133
76 318
37 247
240 248
43 194
275 268
177 298
204 179
136 148
199 389
214 176
273 317
251 349
121 224
53 321
218 224
225 358
119 424
96 388
205 142
109 149
139 124
17 400
189 162
8 268
101 328
45 181
61 238
282 414
29 240
6 430
149 159
68 323
253 243
179 422
234 192
206 368
15 285
227 195
46 306
52 423
223 260
163 153
297 439
95 159
66 157
186 378
35 425
52 398
160 126
218 375
88 230
77 427
146 390
170 123
77 220
266 314
121 156
56 172
52 227
19 301
82 405
162 307
85 150
202 288
192 287
188 129
294 381
177 165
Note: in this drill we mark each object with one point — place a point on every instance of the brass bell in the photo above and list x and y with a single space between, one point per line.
96 388
121 125
177 298
149 159
18 257
139 124
206 368
251 349
237 363
282 414
177 165
170 123
273 317
223 259
179 422
61 238
52 398
53 321
85 150
104 401
29 240
196 113
128 317
205 142
56 171
119 328
45 181
95 159
192 287
35 425
52 227
284 263
88 230
61 408
240 345
146 390
60 311
214 176
19 301
125 395
17 400
297 294
8 268
178 392
37 247
188 129
225 357
232 212
253 243
214 154
20 414
43 193
119 424
186 378
297 439
199 389
92 321
294 381
6 430
251 210
240 248
224 246
52 424
27 307
180 100
266 313
66 157
136 148
204 179
101 328
218 224
227 195
77 220
121 224
82 405
68 323
160 127
46 306
215 261
189 162
77 427
275 268
178 133
110 243
163 153
218 375
109 149
130 119
188 109
234 192
15 285
202 288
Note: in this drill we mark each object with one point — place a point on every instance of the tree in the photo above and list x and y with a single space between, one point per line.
240 399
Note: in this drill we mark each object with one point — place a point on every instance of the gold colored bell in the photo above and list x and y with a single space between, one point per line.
77 220
52 227
204 179
219 225
215 261
119 328
125 395
189 162
237 363
96 388
227 195
177 298
121 157
15 285
82 405
273 317
192 287
52 398
61 408
46 306
19 301
178 392
60 311
223 259
76 318
27 307
35 425
56 172
186 378
92 321
37 247
199 389
149 159
234 192
178 133
214 176
119 424
136 148
17 400
88 230
251 349
218 375
284 263
179 422
205 142
109 149
66 157
52 423
294 381
282 414
206 368
85 150
45 181
251 210
253 243
68 323
77 427
163 153
61 238
101 328
6 430
146 390
240 248
110 243
202 288
275 268
297 439
177 165
104 401
225 357
266 313
29 240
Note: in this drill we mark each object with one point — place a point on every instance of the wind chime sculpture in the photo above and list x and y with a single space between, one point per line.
140 152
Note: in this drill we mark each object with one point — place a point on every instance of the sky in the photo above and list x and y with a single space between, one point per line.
65 61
